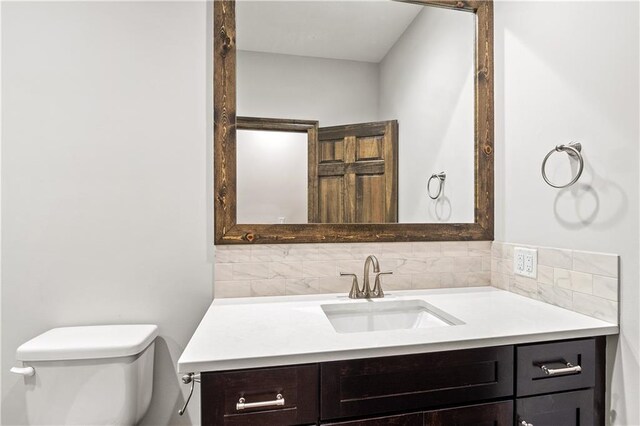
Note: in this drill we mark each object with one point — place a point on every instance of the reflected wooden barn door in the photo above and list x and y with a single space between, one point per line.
355 175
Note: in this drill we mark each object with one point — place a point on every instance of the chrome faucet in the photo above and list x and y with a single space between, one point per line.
367 292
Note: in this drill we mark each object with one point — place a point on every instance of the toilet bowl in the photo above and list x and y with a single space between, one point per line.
94 375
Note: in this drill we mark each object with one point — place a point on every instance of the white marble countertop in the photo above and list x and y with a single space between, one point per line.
271 331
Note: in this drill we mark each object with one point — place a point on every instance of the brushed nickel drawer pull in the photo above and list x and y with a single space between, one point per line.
570 369
278 402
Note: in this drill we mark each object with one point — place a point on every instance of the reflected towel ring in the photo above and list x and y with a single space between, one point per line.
441 178
574 150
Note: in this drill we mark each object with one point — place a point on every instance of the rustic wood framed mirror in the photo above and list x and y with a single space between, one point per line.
358 177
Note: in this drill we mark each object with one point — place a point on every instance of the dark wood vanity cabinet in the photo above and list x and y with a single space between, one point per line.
494 414
363 387
555 383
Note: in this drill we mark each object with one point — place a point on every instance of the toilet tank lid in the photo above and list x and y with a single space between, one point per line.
88 342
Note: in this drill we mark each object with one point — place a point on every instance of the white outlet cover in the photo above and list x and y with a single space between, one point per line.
525 262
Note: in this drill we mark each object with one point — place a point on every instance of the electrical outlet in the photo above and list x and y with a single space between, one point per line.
525 262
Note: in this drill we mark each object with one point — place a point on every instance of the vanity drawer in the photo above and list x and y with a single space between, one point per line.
552 367
413 382
297 386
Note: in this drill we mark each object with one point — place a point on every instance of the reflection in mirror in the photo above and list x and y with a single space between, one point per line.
273 169
391 86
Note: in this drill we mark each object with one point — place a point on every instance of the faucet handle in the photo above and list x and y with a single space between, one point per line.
355 292
382 273
377 285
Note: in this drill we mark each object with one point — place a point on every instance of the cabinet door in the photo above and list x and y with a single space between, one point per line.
566 409
496 414
414 419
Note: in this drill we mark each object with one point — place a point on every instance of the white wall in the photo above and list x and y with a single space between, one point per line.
106 169
331 91
271 176
426 83
569 71
0 217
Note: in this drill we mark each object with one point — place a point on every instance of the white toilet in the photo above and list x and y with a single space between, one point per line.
94 375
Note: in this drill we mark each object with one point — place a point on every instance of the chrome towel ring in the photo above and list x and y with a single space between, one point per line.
441 178
574 149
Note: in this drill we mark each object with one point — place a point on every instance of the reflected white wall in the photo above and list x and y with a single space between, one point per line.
331 91
271 184
426 83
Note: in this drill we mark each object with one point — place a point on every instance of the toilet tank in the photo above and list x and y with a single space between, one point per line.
93 375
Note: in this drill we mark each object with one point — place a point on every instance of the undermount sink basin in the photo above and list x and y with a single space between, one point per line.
365 316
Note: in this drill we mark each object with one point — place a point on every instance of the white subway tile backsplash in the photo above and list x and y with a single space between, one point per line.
352 266
232 254
524 286
556 258
467 264
496 250
224 271
319 268
333 285
395 282
555 295
458 279
360 251
454 248
596 263
251 271
478 278
426 249
499 280
303 285
597 307
426 280
267 253
338 253
545 274
302 252
579 281
605 287
274 287
479 248
264 270
397 251
486 263
233 289
572 280
440 264
413 266
286 269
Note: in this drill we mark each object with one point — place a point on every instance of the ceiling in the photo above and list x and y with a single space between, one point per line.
348 30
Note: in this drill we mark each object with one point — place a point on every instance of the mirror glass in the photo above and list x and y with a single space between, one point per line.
391 87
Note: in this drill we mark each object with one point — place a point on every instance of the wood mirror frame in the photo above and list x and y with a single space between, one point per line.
227 231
